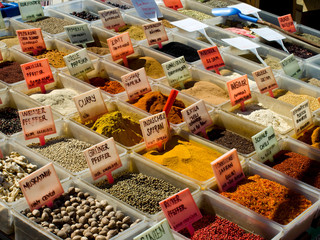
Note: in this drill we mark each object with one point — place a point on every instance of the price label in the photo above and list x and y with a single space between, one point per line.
245 9
136 83
181 210
111 18
41 187
102 159
197 117
211 58
147 8
227 170
2 24
90 104
174 4
268 34
266 144
31 40
30 10
79 34
190 25
160 231
155 129
37 122
239 90
177 71
302 117
291 67
265 80
286 23
241 43
78 63
37 74
155 33
120 46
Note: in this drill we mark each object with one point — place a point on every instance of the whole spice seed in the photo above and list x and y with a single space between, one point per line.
269 199
77 215
177 49
10 72
85 15
54 56
195 14
9 121
138 190
51 25
67 152
124 7
13 168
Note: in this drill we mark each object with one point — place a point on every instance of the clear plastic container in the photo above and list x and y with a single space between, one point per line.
115 3
300 223
314 60
26 229
69 129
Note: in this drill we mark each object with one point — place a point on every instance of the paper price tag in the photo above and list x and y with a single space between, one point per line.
30 9
268 34
160 231
136 83
291 67
102 159
266 144
155 129
241 43
177 72
245 9
147 8
111 18
41 187
79 34
78 63
2 24
227 170
120 46
181 210
239 90
286 23
90 104
190 24
302 117
265 80
174 4
37 74
155 33
197 117
37 122
211 58
31 40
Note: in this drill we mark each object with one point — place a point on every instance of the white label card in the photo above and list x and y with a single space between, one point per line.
79 33
78 63
189 24
111 18
177 71
241 43
245 9
160 231
268 34
291 67
302 117
30 9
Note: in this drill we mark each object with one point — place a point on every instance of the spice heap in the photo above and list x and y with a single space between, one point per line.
195 14
10 72
85 15
186 157
135 32
99 50
140 191
10 41
60 100
230 140
311 136
271 61
107 85
154 102
167 24
216 3
312 81
297 166
269 199
178 49
9 121
51 25
297 50
12 169
54 56
214 227
77 215
67 152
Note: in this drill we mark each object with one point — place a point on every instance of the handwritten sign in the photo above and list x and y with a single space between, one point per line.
181 210
147 8
79 34
78 63
41 187
160 231
30 9
266 144
31 40
37 74
211 58
112 18
102 159
174 4
302 117
197 117
2 24
155 129
239 90
136 83
90 104
241 43
155 33
37 123
291 67
286 23
190 24
265 80
177 71
227 170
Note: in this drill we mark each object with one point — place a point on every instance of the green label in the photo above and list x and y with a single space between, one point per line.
160 231
291 67
79 34
78 63
177 72
30 10
2 25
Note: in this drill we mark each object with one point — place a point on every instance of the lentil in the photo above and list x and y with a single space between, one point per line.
195 14
9 121
68 152
54 56
85 15
269 198
177 49
10 72
51 25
